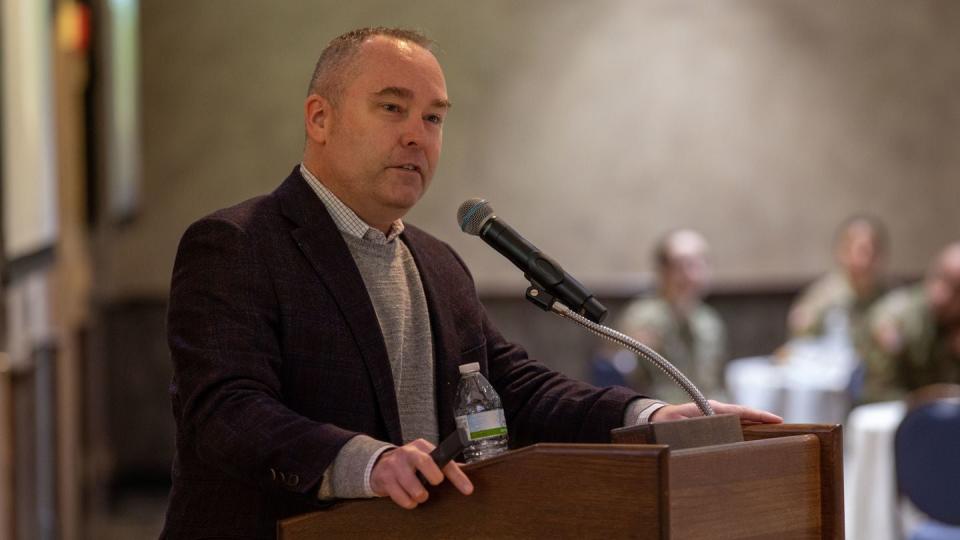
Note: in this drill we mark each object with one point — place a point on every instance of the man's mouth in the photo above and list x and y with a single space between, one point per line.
409 167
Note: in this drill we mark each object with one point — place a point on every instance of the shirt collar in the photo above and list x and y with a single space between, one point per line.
347 220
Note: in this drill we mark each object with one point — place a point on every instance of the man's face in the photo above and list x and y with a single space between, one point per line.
943 287
858 251
688 270
383 136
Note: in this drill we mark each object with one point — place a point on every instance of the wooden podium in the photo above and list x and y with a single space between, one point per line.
782 482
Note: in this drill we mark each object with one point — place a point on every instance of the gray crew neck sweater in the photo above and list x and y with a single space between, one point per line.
394 286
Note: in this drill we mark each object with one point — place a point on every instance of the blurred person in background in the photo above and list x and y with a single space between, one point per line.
850 289
675 321
828 322
916 332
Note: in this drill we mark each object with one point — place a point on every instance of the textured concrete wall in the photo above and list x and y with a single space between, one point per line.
591 127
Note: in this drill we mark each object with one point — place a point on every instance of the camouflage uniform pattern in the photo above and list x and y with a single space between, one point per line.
925 356
832 291
696 345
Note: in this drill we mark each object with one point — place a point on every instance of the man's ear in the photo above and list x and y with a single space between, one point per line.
316 116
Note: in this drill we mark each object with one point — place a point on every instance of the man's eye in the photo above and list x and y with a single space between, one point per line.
435 119
391 107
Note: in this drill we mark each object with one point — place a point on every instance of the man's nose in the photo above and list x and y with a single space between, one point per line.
414 132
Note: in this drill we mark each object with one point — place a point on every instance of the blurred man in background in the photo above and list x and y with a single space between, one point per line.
916 332
675 322
848 291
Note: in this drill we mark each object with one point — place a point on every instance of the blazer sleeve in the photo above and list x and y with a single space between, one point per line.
223 331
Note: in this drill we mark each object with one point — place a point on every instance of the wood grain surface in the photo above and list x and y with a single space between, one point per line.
782 482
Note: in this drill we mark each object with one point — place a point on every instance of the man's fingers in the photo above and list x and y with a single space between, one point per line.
763 417
395 474
423 445
690 410
432 474
402 487
399 496
458 478
424 463
411 484
746 414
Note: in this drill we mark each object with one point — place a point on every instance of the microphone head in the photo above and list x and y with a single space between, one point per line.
473 214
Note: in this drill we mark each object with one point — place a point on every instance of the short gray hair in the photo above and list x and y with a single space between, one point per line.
332 69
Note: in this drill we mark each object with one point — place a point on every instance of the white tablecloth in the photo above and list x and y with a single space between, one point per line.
806 389
870 479
811 389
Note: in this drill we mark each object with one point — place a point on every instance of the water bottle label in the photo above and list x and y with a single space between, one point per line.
483 425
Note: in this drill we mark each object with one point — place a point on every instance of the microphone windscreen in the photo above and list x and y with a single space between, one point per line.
472 214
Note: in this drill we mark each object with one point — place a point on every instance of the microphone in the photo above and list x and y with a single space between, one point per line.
476 217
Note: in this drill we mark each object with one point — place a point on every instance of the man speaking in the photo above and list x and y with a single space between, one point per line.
316 338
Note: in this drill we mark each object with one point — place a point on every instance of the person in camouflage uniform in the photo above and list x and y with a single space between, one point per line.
916 332
676 323
860 250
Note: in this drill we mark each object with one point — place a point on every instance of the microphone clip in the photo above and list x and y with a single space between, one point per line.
538 295
544 298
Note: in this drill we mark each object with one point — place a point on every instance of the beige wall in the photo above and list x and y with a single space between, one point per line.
591 127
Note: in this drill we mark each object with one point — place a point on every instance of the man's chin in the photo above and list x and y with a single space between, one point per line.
402 203
404 197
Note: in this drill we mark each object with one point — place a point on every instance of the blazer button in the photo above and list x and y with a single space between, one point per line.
273 474
293 480
283 477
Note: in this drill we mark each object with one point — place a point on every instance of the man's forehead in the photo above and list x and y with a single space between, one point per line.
390 50
390 65
687 243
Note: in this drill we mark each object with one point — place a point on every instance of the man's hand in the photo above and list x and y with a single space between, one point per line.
690 410
888 337
395 474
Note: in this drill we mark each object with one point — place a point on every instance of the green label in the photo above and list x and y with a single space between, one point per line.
484 424
488 433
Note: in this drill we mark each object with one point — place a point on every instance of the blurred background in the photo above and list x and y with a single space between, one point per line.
593 129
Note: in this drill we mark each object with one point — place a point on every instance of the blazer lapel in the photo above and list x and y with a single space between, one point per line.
322 244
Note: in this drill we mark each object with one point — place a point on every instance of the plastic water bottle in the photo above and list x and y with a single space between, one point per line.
480 415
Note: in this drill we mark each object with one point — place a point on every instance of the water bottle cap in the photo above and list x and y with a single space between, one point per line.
469 368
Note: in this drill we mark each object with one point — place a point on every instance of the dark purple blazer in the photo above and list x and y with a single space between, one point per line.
279 360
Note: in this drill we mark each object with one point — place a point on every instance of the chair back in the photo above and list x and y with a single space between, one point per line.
927 454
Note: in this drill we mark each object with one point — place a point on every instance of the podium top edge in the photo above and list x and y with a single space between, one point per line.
575 450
